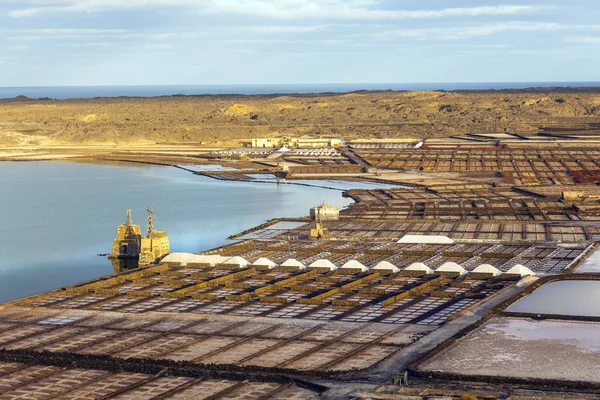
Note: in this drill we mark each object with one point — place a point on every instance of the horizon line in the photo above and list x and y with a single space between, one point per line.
306 84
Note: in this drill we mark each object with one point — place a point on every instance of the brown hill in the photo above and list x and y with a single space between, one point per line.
177 119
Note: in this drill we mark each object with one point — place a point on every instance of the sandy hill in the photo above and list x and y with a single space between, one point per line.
219 118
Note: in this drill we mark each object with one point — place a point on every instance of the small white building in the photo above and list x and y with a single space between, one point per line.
265 142
325 212
313 143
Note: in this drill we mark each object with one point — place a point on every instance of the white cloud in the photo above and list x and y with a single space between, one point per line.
66 31
283 29
18 47
52 34
25 12
582 39
478 30
155 46
162 35
277 9
338 9
284 41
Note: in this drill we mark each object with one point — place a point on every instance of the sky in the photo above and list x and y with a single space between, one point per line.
173 42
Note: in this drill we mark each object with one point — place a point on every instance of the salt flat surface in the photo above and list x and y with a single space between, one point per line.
525 348
592 263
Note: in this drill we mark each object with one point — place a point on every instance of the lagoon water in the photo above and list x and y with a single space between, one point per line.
55 217
578 298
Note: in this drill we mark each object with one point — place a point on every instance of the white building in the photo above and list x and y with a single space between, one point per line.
266 142
326 213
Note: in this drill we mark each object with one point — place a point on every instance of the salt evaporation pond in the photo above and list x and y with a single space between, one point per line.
57 216
575 298
525 349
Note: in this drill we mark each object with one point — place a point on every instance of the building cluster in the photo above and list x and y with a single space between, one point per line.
302 143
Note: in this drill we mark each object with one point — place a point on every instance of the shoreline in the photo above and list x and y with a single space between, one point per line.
164 156
297 182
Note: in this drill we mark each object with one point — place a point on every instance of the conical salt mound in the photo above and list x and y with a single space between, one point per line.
323 264
520 270
293 263
451 267
386 266
353 264
182 258
264 262
212 259
237 260
487 269
419 267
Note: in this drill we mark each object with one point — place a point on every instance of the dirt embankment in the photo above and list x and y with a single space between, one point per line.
210 119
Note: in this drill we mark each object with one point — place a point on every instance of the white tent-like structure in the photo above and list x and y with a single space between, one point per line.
237 260
385 266
283 149
487 269
520 270
427 239
293 263
322 263
451 267
264 262
420 267
353 264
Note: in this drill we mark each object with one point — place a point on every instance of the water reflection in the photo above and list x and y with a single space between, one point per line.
123 265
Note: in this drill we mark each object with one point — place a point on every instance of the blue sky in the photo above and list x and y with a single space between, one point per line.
137 42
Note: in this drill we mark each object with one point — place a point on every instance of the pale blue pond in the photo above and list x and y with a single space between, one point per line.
577 298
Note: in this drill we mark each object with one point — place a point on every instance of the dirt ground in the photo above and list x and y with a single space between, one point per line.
220 120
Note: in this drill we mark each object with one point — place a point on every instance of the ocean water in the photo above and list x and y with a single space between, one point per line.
66 92
57 216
